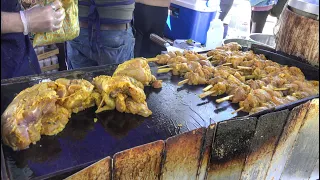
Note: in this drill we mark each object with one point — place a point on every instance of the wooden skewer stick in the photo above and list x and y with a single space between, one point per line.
207 88
244 67
280 89
152 59
226 64
167 65
224 99
183 82
250 77
164 70
215 62
205 94
208 58
240 109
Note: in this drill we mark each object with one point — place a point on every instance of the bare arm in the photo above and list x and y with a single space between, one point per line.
11 23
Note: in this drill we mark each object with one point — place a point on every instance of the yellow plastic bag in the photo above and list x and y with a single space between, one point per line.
70 27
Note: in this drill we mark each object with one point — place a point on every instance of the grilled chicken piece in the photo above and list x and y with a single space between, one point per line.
195 78
182 68
219 88
157 84
163 59
55 121
136 68
75 95
134 107
21 121
232 46
44 109
178 59
116 90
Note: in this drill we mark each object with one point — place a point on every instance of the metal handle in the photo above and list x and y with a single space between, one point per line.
157 39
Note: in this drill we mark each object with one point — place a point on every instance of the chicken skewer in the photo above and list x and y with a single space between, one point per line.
312 88
176 57
194 72
268 98
253 67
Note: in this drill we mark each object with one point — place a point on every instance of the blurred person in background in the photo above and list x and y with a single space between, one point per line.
149 17
106 35
278 8
260 9
225 6
18 57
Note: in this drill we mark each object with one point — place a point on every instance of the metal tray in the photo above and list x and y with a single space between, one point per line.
175 110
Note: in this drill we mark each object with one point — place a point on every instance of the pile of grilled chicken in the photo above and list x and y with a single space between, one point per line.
45 108
249 79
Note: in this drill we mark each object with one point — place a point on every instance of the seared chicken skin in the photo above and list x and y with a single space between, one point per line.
75 95
121 93
136 68
43 109
21 121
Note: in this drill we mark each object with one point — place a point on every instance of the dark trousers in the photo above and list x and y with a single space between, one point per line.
277 9
258 20
225 6
147 20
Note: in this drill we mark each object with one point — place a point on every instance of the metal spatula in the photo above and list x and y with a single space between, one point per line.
160 41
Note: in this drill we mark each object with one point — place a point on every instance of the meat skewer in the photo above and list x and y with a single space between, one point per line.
164 70
205 94
249 68
207 88
224 99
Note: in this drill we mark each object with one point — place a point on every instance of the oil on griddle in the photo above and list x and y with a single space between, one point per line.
244 148
142 162
175 110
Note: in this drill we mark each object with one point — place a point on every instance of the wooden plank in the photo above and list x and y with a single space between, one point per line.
315 172
206 151
305 151
230 148
286 141
100 170
48 54
182 155
49 68
268 131
141 162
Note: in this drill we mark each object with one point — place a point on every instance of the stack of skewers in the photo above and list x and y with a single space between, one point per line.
249 79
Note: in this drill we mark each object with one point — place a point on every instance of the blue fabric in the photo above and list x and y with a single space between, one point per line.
115 47
125 2
18 57
261 3
94 19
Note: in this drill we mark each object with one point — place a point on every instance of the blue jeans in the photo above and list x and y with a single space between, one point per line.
115 47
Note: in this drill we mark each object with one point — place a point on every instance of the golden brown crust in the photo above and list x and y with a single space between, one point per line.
43 109
182 155
100 170
142 162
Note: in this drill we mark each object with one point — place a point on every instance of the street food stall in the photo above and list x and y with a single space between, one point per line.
234 112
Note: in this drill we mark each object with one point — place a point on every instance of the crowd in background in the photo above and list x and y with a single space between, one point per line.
111 31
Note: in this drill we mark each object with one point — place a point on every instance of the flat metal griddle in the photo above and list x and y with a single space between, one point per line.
175 110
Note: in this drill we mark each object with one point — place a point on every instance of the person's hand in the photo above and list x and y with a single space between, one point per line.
45 19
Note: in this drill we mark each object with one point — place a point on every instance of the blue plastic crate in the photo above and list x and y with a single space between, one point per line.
185 23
